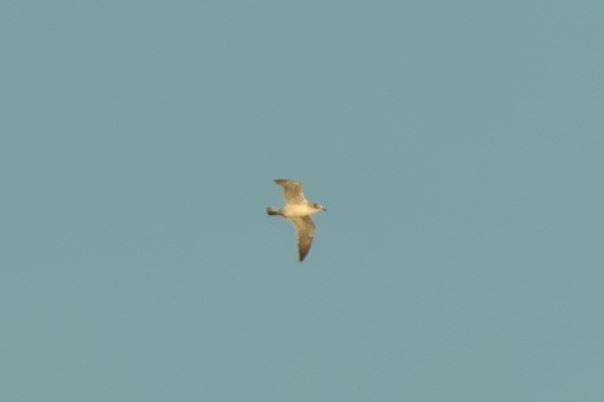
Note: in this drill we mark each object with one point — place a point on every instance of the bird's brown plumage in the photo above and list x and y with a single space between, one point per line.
305 232
292 191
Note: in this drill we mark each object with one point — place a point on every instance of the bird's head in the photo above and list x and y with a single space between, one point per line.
319 207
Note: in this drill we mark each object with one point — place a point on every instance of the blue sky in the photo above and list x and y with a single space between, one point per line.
457 145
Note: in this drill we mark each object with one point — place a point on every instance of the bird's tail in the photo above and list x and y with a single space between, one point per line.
272 211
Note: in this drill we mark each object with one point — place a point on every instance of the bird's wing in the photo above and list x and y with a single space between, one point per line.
292 191
305 231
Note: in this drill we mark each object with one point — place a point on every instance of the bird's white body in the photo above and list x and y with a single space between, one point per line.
291 210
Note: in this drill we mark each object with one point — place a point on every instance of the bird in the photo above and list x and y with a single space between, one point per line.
297 209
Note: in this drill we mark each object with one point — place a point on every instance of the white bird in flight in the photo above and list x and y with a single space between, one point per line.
297 209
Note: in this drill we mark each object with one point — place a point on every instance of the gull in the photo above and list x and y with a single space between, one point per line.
297 209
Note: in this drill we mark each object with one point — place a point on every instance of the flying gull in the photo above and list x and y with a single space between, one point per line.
297 209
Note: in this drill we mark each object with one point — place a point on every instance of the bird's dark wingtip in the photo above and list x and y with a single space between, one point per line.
302 255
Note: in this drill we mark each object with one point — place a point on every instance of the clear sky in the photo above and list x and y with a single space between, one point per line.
459 148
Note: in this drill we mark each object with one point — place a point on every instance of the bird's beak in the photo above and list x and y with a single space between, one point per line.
323 208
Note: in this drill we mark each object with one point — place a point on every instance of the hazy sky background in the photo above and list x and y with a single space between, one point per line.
459 148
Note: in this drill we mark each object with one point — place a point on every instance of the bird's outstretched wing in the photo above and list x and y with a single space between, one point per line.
292 191
305 231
